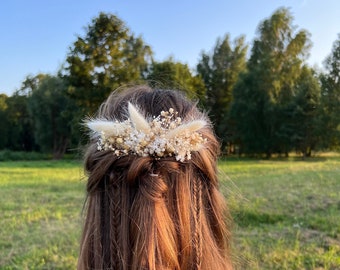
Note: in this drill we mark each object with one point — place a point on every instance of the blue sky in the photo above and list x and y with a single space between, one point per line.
36 35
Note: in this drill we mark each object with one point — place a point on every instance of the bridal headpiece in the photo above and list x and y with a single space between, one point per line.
162 136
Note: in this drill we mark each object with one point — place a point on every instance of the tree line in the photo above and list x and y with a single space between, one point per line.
262 102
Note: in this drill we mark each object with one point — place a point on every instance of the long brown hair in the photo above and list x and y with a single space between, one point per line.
154 214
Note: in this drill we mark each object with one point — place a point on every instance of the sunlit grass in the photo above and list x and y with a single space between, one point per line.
286 213
40 204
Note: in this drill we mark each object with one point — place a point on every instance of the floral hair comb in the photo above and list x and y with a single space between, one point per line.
163 136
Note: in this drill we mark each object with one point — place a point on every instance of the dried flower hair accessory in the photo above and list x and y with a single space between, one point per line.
163 136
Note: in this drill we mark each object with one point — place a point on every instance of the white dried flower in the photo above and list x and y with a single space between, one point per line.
165 135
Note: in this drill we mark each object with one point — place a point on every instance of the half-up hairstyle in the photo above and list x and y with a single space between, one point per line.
153 213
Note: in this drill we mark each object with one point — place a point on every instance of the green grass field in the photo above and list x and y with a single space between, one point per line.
286 213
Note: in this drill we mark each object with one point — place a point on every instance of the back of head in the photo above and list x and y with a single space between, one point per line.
151 211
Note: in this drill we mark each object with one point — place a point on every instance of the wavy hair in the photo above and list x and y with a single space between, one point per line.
154 214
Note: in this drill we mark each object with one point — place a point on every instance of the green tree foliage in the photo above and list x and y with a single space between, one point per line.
4 124
51 110
107 57
330 99
175 75
20 125
272 103
303 113
17 125
265 92
220 72
30 84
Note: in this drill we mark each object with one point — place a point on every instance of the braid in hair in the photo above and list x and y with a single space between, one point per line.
105 221
95 237
115 219
197 244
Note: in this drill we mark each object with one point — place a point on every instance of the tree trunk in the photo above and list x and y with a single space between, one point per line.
60 149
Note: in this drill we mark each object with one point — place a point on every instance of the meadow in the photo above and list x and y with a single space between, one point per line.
286 212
